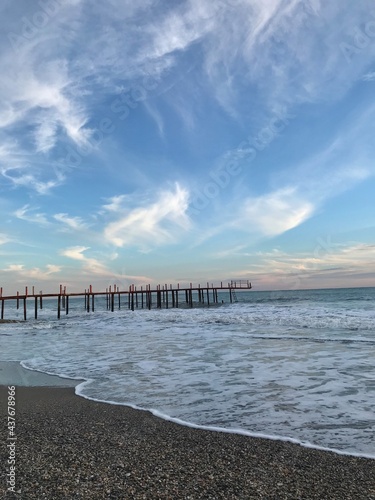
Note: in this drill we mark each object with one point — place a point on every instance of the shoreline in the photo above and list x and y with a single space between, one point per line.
14 373
69 446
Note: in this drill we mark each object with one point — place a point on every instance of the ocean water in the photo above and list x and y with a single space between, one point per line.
296 365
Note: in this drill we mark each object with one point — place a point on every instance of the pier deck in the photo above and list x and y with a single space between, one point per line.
160 296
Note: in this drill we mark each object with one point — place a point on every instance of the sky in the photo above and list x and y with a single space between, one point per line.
187 141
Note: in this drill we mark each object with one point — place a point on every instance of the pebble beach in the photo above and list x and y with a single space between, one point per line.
69 447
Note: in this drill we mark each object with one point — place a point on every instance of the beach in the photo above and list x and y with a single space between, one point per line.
69 447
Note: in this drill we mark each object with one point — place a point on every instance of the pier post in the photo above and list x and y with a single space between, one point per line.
24 308
18 300
2 308
92 302
67 305
158 304
36 307
58 306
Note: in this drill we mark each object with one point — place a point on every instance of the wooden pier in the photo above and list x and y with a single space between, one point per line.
144 297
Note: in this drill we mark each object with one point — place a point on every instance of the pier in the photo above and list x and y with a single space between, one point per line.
143 297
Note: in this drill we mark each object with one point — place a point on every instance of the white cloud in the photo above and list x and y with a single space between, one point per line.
75 253
343 164
18 177
75 223
369 77
115 203
45 102
21 168
90 265
4 239
14 267
152 224
290 52
28 214
181 27
20 271
156 117
276 212
53 268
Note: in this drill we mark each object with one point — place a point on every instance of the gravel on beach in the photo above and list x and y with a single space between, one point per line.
68 447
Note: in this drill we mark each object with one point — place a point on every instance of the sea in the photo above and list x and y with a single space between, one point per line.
295 365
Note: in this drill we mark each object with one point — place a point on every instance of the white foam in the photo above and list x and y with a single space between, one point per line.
241 432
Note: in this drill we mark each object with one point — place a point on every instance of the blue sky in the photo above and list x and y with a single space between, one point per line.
187 140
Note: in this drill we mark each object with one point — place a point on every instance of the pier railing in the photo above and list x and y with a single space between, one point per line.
159 296
240 284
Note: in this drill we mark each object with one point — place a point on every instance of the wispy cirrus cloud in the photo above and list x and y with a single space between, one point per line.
55 105
4 238
20 271
30 214
276 212
90 265
369 77
74 223
114 204
93 267
21 176
154 223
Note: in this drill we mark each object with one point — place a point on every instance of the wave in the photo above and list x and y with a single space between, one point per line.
80 392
